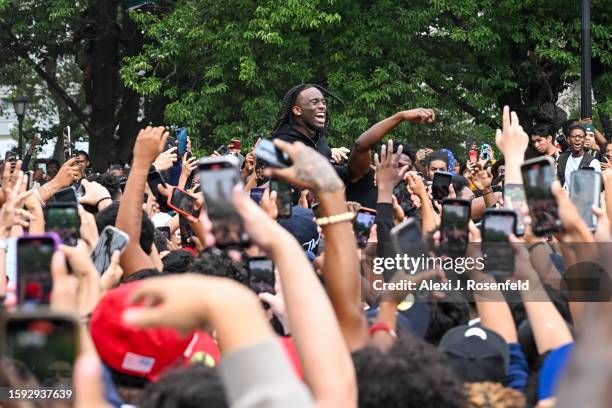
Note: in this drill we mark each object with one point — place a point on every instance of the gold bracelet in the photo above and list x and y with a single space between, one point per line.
334 219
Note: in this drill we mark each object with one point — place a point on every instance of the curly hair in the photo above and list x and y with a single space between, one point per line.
217 263
444 316
493 395
412 374
284 117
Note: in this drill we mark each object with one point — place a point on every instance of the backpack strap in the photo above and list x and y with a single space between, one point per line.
561 163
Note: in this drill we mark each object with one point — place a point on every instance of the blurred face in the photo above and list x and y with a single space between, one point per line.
116 170
576 139
608 151
82 162
52 169
466 194
588 140
541 143
436 165
310 109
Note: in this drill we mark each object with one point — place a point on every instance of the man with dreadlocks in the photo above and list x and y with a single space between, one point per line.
303 117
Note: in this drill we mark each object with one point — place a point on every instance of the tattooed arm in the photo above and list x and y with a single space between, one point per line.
341 265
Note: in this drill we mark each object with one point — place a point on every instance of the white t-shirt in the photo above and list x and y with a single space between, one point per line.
572 165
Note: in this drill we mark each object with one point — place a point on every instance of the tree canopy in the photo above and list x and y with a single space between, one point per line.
222 68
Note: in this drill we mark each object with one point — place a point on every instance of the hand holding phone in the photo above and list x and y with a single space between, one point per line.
497 225
34 254
111 239
538 175
184 203
585 190
218 176
271 156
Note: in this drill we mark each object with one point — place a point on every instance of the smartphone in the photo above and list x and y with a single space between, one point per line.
497 225
261 274
89 172
585 192
67 144
404 198
473 156
66 195
165 231
222 150
514 199
272 157
183 203
441 185
34 283
181 136
284 197
407 238
44 343
218 177
363 224
257 193
111 239
538 175
153 180
454 228
63 219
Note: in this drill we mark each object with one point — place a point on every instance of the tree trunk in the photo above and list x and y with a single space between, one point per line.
105 83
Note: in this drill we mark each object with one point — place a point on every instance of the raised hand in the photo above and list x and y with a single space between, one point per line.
339 154
67 174
166 159
388 173
511 139
149 144
419 115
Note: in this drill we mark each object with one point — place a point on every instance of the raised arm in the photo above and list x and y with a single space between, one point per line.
341 265
324 355
149 145
361 156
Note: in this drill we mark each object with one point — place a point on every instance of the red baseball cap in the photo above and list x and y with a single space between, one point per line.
143 352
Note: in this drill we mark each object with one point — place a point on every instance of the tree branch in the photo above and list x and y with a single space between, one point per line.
50 80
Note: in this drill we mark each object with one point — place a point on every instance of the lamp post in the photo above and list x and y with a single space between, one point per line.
585 59
19 105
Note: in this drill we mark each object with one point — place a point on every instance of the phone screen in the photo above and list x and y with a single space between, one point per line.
67 195
268 153
404 198
64 221
217 180
498 226
362 227
454 231
441 184
514 199
585 192
537 178
45 346
34 281
111 240
181 136
165 231
284 197
184 202
257 194
261 274
153 180
407 239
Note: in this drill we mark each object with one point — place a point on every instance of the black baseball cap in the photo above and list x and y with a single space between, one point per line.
476 354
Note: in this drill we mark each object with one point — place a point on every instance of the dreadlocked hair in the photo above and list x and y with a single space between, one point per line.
284 117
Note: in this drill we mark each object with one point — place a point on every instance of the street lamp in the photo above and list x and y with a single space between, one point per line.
19 105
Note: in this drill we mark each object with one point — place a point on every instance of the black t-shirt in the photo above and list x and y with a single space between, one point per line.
292 135
362 191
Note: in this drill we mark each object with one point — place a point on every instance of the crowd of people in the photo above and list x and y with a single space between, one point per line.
176 321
